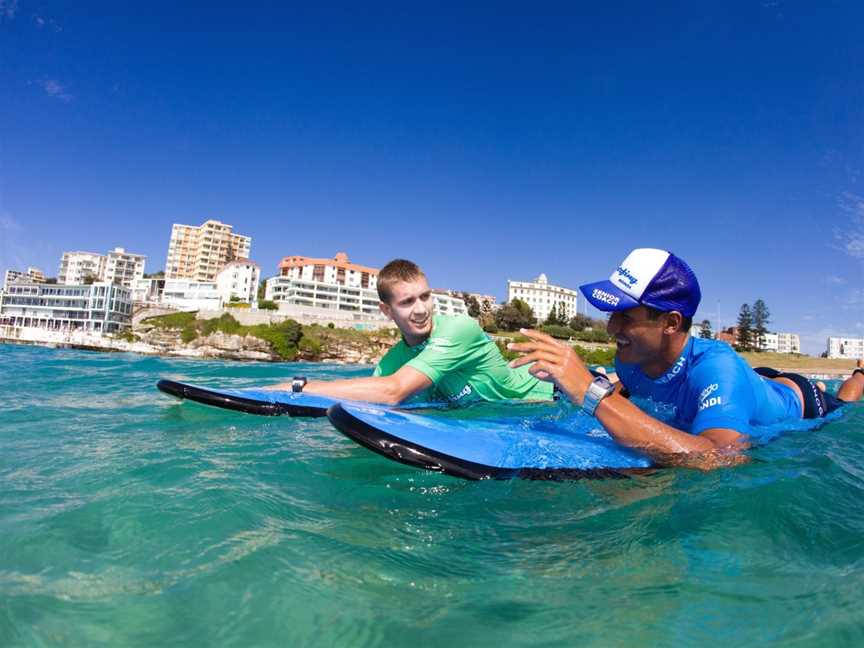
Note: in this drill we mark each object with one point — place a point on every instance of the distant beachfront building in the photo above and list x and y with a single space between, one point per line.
123 268
542 296
147 291
845 347
31 275
117 267
199 253
774 342
239 281
788 343
191 295
337 288
338 271
99 307
78 267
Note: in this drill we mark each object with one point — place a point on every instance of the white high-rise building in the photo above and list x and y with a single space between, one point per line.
123 268
542 296
239 280
76 267
118 267
199 253
845 347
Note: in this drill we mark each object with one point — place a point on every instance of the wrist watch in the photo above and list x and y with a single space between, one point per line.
298 384
599 389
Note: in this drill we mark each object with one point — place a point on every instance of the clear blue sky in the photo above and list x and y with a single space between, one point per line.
486 142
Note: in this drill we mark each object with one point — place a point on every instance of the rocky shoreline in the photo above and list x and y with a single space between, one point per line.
151 340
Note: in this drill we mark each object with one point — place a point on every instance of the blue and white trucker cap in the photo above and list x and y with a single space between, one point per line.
647 277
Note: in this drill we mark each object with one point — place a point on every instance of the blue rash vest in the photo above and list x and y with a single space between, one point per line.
711 386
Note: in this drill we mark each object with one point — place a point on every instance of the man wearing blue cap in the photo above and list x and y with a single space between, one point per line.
652 297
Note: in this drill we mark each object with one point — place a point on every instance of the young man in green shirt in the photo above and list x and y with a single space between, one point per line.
440 357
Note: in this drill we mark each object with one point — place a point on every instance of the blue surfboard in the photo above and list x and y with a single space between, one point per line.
252 401
478 447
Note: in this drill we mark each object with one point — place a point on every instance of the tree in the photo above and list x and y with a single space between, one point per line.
513 316
471 304
487 314
562 314
580 322
262 289
557 315
760 323
745 329
705 329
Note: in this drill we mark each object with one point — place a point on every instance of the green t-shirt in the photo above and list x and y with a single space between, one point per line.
464 365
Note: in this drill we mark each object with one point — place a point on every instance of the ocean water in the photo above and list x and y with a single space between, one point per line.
131 519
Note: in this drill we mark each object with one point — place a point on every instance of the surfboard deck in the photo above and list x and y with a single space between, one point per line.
505 447
251 401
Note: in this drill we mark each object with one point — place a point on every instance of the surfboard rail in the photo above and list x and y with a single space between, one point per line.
413 454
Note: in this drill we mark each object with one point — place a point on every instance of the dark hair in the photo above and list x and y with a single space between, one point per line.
394 272
654 313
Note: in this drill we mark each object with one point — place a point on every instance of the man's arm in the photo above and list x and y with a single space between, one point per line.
625 422
388 390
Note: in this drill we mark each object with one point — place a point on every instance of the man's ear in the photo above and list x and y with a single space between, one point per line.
385 308
674 321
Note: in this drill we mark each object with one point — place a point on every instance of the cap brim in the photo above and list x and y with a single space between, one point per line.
605 296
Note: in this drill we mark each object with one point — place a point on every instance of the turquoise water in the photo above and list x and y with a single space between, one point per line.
130 519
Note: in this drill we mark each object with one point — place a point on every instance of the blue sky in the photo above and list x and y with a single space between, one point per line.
485 141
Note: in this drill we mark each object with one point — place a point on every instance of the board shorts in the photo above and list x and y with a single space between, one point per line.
817 404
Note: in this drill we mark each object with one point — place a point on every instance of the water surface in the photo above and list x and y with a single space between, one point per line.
130 519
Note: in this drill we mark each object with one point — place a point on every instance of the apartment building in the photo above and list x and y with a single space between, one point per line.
238 280
78 267
147 291
117 267
338 286
31 275
542 296
338 271
99 307
123 268
191 295
200 252
845 347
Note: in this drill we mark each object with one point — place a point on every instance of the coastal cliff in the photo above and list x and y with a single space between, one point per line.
182 334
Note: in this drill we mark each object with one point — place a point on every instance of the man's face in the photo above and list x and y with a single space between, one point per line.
638 338
410 307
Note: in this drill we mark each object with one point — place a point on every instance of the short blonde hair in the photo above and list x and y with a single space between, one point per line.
395 271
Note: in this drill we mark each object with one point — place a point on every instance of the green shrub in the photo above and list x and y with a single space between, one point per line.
227 324
266 304
558 331
173 321
128 336
594 335
605 357
310 346
188 334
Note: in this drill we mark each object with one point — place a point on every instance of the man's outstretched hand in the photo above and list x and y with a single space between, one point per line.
553 361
